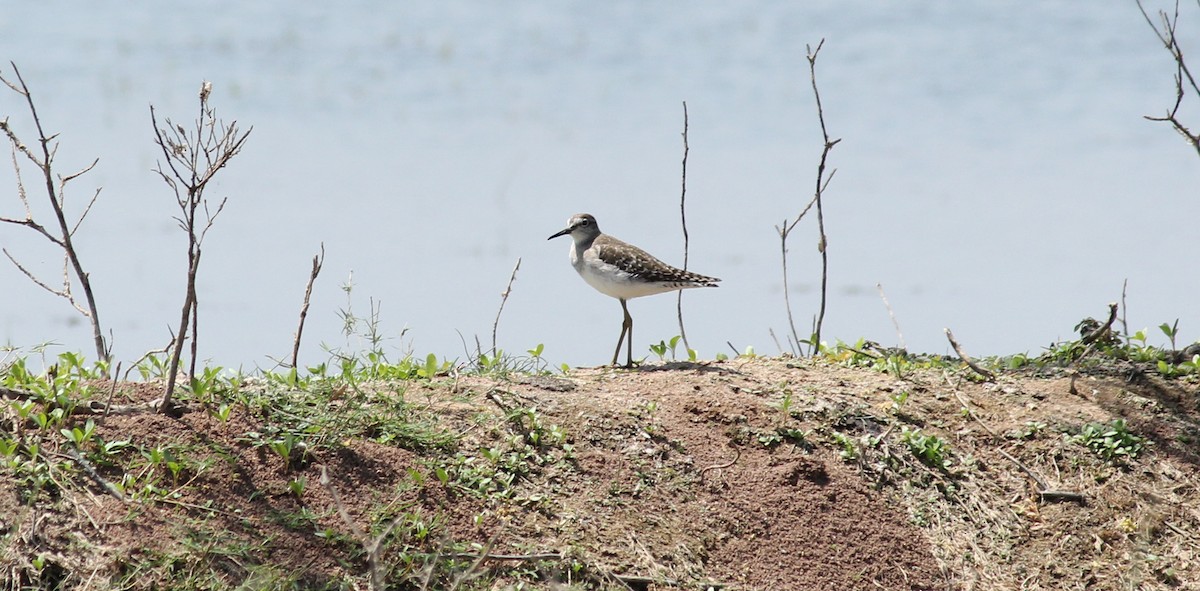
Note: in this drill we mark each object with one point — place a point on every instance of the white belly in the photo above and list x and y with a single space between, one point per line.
613 282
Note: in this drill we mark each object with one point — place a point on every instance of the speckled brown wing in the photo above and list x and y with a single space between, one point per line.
644 266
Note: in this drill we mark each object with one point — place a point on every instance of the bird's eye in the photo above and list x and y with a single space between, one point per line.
585 222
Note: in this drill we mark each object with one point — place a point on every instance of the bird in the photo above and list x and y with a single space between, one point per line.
623 271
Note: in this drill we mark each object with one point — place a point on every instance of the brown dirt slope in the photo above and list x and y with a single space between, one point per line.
745 474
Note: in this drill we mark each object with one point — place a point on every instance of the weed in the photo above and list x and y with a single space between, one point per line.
1171 330
930 449
849 449
1112 442
80 437
665 347
786 402
297 486
1030 431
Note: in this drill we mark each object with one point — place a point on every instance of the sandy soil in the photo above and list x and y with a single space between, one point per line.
744 474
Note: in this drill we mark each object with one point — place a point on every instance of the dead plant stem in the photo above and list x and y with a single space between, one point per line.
683 223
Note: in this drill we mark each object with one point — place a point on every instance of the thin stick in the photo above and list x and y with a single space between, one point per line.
1124 310
91 472
1044 491
892 315
737 454
784 230
503 299
771 332
822 183
370 545
683 222
510 557
967 358
317 262
112 389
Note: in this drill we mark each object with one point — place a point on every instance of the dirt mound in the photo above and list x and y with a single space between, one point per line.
747 474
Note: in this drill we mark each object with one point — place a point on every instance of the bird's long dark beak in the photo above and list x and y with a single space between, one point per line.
560 233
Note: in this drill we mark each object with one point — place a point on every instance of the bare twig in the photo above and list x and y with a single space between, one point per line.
317 262
822 183
112 389
147 355
95 476
507 557
892 315
737 454
64 232
503 300
967 358
1184 80
683 223
371 546
1124 311
1103 331
193 158
1043 489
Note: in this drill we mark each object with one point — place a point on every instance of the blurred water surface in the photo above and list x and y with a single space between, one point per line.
995 173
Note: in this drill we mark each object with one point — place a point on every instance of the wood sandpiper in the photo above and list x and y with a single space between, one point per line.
623 271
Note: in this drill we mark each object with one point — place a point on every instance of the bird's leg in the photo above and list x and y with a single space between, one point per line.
626 326
628 323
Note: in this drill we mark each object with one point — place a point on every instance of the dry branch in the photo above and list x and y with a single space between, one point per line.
193 158
967 358
64 232
317 262
503 299
1184 80
822 183
683 223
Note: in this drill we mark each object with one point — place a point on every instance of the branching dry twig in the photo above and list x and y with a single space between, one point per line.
822 183
63 235
683 223
1184 80
503 299
372 546
193 158
967 358
317 262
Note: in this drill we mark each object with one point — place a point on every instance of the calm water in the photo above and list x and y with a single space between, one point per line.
995 173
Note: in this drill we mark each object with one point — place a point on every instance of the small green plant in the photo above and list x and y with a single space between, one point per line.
222 412
849 451
290 448
297 485
660 350
785 403
930 449
80 436
1030 431
898 400
1113 441
1171 330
